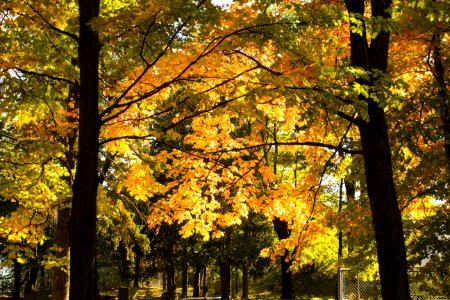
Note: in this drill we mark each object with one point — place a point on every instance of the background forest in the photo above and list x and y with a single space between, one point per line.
272 142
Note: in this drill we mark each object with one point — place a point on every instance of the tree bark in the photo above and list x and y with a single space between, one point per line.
283 232
171 286
31 282
184 279
438 70
17 280
205 283
170 271
225 280
60 285
245 282
198 270
83 218
386 216
137 266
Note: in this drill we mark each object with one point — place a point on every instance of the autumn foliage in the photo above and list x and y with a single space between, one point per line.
203 118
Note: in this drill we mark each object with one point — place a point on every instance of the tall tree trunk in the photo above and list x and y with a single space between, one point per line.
283 232
82 230
205 282
17 280
225 280
386 215
60 286
245 282
198 270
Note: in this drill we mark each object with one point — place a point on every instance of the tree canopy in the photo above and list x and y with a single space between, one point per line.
170 127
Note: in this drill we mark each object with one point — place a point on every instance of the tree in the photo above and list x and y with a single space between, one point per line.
377 157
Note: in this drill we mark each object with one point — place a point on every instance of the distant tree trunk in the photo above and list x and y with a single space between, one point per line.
164 281
198 270
17 280
32 279
171 286
225 280
42 279
204 282
287 290
386 215
170 271
124 266
236 279
341 185
340 243
245 282
60 285
137 264
82 230
137 270
184 280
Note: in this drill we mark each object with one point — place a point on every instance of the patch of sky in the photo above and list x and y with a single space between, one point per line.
222 2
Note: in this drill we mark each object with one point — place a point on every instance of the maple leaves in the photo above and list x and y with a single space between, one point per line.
212 114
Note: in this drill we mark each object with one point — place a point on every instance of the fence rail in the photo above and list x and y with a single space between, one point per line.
351 287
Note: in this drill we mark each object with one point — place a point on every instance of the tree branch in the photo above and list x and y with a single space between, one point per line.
66 33
307 143
46 76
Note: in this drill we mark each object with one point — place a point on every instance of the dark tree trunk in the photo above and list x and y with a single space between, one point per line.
340 246
287 290
386 216
124 266
225 281
438 70
351 197
245 282
82 230
204 283
31 282
170 273
171 286
137 268
60 286
164 281
184 280
17 280
283 232
198 270
236 280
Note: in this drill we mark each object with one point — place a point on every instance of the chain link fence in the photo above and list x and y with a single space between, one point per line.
350 287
